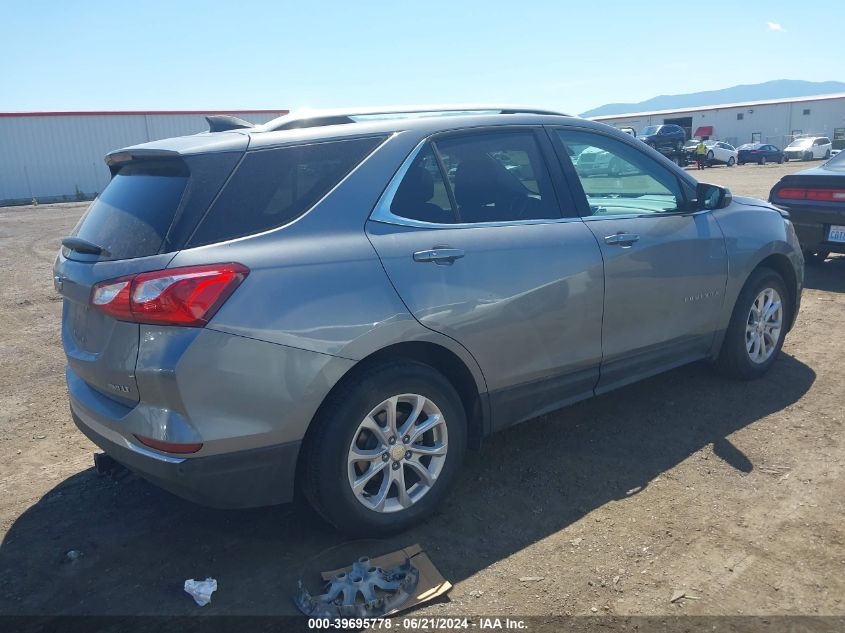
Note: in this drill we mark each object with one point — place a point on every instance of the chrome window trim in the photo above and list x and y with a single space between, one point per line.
382 213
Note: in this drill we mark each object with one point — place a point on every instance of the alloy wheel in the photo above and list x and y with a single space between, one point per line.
763 326
397 452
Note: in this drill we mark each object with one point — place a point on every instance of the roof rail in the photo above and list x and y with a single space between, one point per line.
318 118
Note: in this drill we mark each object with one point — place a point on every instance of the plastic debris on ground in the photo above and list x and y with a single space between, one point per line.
201 590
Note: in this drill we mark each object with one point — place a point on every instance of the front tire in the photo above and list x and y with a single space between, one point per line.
757 327
764 160
385 449
731 161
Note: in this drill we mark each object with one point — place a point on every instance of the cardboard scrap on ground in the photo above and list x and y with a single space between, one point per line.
431 584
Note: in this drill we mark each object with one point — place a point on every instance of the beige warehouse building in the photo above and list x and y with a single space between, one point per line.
776 121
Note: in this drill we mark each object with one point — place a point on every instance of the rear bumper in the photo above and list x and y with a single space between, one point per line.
812 227
243 479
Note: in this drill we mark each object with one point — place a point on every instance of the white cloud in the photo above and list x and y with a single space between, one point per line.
774 26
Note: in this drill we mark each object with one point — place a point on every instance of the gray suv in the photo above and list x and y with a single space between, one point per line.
343 302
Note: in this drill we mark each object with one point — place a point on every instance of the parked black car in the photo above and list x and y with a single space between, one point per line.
760 153
663 136
815 198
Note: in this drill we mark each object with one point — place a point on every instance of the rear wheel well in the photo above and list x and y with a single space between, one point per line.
781 265
438 358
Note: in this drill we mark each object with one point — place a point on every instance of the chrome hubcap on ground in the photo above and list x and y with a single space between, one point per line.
397 453
762 330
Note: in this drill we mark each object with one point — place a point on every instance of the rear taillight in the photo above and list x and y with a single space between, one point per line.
803 193
186 296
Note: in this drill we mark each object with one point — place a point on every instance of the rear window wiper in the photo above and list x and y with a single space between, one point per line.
83 246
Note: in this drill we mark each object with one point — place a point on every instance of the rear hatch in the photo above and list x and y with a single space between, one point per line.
142 218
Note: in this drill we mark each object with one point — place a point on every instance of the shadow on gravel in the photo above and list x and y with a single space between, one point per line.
829 276
139 544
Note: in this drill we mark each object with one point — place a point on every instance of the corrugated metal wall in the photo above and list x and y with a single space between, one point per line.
775 122
56 156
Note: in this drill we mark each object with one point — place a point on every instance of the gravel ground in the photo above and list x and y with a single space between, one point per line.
731 492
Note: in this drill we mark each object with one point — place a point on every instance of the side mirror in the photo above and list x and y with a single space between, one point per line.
712 196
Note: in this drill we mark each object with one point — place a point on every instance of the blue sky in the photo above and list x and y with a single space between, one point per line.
181 54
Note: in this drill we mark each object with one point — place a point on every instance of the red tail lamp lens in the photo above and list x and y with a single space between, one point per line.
188 296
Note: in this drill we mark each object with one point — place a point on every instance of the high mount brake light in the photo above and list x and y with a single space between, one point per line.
187 296
805 193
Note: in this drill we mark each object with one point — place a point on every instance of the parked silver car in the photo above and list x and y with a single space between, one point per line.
345 301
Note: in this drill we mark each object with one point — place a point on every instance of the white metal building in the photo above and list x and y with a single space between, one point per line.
775 121
55 156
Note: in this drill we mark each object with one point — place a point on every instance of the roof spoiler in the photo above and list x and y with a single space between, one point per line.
224 122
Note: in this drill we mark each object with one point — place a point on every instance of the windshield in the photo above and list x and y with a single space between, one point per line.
801 142
651 129
749 146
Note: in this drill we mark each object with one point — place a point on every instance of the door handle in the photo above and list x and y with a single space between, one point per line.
439 255
622 239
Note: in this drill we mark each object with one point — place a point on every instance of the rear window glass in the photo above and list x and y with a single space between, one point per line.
132 215
273 187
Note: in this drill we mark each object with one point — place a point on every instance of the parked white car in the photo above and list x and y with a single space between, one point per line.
809 147
593 161
720 152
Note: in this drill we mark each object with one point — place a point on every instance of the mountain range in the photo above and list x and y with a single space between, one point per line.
777 89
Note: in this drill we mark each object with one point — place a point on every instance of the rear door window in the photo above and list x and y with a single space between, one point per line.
273 187
133 214
498 177
422 195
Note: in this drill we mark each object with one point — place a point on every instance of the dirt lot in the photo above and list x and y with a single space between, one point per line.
732 492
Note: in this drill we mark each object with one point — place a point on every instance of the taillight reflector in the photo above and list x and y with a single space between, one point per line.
169 447
187 296
803 193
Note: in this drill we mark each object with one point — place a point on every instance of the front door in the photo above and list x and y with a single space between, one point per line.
665 267
474 239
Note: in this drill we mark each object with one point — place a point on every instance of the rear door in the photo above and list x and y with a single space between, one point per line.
665 267
482 248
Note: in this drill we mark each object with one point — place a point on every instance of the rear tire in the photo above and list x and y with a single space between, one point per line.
739 358
391 456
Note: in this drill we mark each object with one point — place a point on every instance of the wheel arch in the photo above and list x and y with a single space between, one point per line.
781 265
473 396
